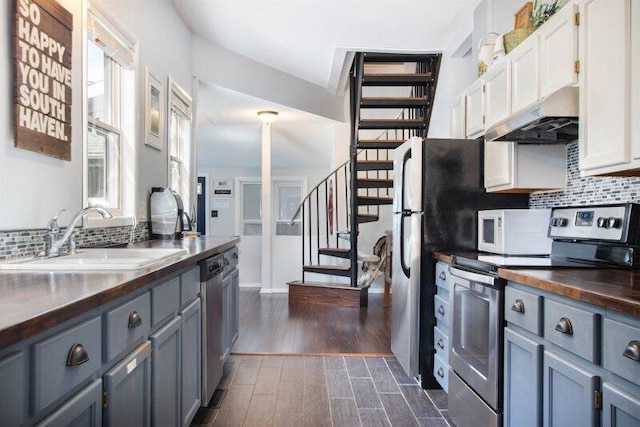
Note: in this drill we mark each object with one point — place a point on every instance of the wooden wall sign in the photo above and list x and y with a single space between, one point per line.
42 52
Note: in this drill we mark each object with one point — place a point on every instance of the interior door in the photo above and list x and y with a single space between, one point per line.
406 254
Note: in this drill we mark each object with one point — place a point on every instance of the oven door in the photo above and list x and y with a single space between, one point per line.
475 349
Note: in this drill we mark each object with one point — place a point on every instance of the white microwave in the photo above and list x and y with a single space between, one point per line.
514 231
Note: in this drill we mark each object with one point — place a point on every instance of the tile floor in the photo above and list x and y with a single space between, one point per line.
322 391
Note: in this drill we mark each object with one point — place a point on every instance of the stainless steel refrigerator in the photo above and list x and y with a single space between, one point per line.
438 190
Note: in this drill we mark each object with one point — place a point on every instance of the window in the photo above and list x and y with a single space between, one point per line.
251 208
110 81
287 195
180 143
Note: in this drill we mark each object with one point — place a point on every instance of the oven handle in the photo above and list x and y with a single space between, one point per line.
473 277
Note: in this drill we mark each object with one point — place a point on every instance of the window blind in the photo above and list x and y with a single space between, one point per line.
115 44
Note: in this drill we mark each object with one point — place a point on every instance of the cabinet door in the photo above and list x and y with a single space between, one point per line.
165 375
525 79
235 306
497 96
13 377
474 107
128 389
226 317
619 408
559 51
457 118
498 163
568 394
82 410
191 318
604 93
522 380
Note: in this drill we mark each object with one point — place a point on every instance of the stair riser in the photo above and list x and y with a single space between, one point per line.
374 166
391 124
397 57
336 254
374 184
393 104
365 219
379 145
311 269
396 81
363 201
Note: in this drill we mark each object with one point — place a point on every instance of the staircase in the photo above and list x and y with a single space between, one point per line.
391 101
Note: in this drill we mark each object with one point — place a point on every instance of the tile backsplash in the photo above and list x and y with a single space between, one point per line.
23 243
589 190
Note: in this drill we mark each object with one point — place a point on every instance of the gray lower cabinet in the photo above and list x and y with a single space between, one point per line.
523 380
165 375
619 408
190 318
128 390
13 380
568 394
83 410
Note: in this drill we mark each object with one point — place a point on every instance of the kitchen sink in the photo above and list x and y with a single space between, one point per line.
97 259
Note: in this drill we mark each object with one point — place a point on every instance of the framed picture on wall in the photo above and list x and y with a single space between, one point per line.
153 110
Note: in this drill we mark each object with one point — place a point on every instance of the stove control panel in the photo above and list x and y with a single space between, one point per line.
601 223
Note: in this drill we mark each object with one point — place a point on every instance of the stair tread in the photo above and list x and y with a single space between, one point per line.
335 249
374 198
372 57
390 75
329 267
325 284
382 141
391 124
375 180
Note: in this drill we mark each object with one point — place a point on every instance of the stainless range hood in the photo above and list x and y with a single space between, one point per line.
552 119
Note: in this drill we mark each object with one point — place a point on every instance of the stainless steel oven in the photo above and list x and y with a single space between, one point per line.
475 352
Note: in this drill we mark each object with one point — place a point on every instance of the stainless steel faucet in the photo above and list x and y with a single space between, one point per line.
53 245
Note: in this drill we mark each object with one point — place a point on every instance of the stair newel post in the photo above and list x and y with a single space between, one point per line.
356 96
303 233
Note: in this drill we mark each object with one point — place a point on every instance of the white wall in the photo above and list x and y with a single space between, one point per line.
221 67
33 187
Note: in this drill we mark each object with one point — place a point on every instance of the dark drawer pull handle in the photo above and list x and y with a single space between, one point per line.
632 351
443 276
77 355
441 310
441 373
134 320
441 343
564 326
518 306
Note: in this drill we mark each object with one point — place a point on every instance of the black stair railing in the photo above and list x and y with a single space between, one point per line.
321 210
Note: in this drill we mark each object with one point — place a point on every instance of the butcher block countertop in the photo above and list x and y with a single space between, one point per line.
31 302
617 290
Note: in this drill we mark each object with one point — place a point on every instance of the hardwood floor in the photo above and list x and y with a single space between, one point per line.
270 325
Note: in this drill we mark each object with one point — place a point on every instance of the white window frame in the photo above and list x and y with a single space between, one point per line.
240 182
276 182
126 123
180 103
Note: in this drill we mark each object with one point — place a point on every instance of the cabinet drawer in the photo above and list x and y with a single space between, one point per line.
126 325
441 372
442 275
441 309
620 339
523 309
63 361
189 286
165 300
12 389
441 343
581 334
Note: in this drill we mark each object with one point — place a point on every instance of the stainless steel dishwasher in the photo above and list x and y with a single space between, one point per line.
212 323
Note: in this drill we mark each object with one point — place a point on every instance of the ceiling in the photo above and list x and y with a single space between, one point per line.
308 39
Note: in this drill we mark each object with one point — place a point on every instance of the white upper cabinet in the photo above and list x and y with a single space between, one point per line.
458 118
525 80
498 164
474 107
497 87
558 39
605 92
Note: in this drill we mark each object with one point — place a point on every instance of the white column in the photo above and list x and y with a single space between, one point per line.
266 208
